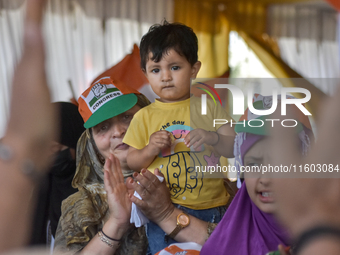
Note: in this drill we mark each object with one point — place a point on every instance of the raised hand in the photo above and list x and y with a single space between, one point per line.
32 117
309 201
31 127
117 193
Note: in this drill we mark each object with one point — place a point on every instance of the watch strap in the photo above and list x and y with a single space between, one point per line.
178 227
175 231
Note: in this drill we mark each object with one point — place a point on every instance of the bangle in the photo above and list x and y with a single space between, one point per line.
112 239
108 240
218 138
28 167
314 233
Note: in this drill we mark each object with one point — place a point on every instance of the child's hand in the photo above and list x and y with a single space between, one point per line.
158 141
200 136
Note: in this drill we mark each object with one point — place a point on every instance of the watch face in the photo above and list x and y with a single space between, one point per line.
183 219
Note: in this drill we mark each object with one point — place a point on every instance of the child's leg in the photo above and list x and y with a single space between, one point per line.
156 235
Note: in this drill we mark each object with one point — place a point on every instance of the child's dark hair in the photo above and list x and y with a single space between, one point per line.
163 37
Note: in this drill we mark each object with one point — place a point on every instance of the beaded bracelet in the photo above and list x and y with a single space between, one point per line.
108 240
314 233
28 167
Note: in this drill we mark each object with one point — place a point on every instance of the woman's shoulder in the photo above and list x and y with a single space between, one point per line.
92 200
72 199
79 222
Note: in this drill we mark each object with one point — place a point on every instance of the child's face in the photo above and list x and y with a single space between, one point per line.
170 77
259 187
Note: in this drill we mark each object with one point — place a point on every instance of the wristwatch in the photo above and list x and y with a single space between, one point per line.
183 221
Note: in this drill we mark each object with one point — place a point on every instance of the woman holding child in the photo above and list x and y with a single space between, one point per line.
92 222
169 62
248 227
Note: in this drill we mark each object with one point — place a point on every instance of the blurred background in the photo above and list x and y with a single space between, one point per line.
237 39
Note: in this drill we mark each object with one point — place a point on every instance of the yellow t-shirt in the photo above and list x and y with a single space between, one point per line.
189 186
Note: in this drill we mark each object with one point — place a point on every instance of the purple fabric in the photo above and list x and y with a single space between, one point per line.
245 229
251 139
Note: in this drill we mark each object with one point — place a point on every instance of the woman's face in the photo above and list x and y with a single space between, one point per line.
258 186
108 135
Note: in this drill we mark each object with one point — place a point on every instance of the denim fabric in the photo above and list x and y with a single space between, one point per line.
156 235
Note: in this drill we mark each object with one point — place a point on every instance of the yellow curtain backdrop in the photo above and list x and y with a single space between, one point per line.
208 21
212 21
263 47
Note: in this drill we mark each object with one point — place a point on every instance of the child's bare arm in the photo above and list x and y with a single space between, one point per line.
222 140
138 159
225 144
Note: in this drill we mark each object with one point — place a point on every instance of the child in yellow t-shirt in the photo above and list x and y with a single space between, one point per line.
161 134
